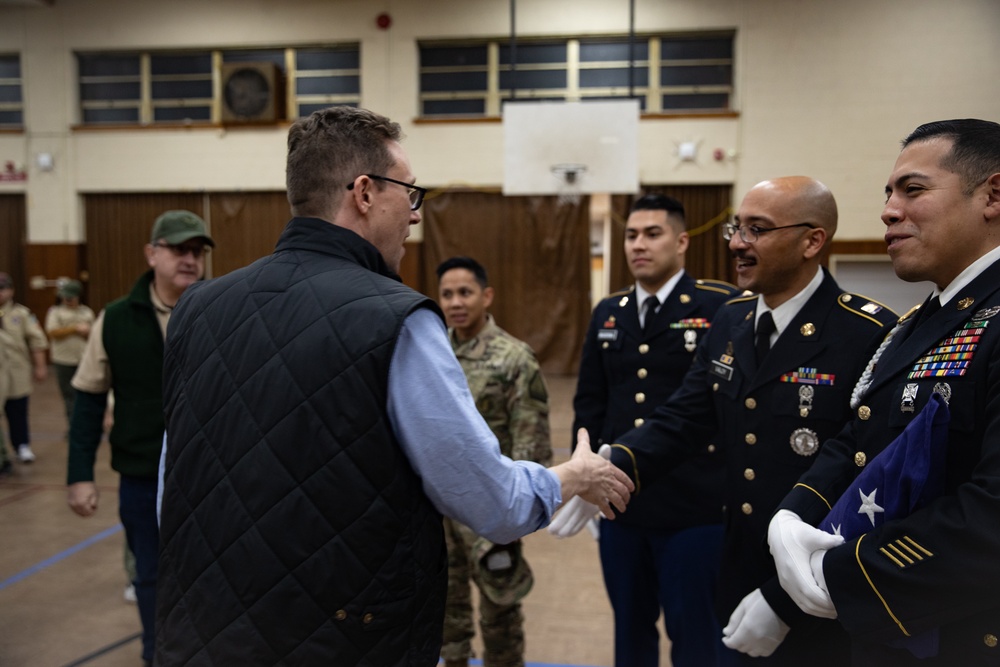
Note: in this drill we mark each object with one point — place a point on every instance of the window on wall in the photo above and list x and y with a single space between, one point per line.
667 74
207 87
11 103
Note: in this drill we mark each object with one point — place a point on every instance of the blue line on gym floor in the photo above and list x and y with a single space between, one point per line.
23 574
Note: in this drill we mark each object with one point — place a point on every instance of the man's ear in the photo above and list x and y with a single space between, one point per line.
361 193
488 296
815 242
992 185
149 250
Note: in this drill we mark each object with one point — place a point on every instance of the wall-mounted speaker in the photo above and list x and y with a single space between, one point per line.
252 92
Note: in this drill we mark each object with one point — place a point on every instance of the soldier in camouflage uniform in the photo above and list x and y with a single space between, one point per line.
510 393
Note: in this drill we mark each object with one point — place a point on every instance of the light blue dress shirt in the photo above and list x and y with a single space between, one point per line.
449 445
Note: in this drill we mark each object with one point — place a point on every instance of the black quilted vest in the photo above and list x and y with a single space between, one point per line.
294 531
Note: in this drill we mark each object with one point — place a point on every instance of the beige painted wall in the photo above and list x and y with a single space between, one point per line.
824 89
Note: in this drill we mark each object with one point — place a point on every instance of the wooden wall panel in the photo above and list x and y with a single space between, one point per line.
13 231
245 227
536 252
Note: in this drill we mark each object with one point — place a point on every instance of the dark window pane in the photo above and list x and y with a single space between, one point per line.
606 98
307 59
687 49
701 75
435 82
110 115
454 107
504 102
534 53
534 79
109 65
452 56
618 76
605 51
276 56
181 113
109 91
10 93
10 67
165 90
320 85
194 63
306 109
11 117
712 101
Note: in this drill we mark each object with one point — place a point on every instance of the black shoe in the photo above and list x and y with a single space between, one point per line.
5 469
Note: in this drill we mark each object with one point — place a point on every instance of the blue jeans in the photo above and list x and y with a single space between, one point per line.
137 509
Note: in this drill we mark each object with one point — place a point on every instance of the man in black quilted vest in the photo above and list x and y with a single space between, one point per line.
314 411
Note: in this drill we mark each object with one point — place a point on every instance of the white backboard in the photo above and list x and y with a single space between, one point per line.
597 141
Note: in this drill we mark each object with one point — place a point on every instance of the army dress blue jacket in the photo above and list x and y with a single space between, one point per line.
625 373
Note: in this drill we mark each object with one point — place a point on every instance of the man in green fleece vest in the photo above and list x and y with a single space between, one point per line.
125 354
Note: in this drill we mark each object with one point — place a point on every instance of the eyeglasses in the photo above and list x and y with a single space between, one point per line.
752 233
196 249
415 192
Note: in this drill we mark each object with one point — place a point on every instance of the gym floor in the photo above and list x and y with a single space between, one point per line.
62 579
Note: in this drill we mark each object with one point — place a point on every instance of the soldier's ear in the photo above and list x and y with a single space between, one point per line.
488 296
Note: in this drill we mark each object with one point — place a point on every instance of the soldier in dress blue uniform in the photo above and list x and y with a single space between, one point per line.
921 588
664 551
766 399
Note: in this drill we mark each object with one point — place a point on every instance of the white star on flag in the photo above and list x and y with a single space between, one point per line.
868 505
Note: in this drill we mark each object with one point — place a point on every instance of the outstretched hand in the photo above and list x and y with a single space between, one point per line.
594 479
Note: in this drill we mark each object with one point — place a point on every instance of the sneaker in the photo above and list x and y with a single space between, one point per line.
129 593
25 454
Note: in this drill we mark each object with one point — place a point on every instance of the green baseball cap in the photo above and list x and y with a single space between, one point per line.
176 227
69 289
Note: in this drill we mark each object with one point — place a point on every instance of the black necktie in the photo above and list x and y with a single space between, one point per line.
765 327
649 307
931 306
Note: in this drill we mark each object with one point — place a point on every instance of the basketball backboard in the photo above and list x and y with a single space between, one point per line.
565 148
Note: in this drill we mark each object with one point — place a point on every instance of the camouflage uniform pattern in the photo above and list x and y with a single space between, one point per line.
511 395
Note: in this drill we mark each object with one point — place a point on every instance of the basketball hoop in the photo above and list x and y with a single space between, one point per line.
567 175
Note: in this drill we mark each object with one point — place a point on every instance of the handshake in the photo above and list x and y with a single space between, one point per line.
583 507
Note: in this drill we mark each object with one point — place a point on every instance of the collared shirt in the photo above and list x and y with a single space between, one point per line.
661 294
451 448
786 312
22 337
970 273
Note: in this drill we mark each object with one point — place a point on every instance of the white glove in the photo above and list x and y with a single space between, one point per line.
577 512
754 628
792 543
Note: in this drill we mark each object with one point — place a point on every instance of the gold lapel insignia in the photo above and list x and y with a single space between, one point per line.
623 301
807 329
685 298
966 302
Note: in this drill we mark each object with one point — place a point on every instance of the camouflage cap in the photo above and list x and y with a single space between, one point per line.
501 571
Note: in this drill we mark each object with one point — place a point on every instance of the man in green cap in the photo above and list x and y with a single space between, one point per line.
125 353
